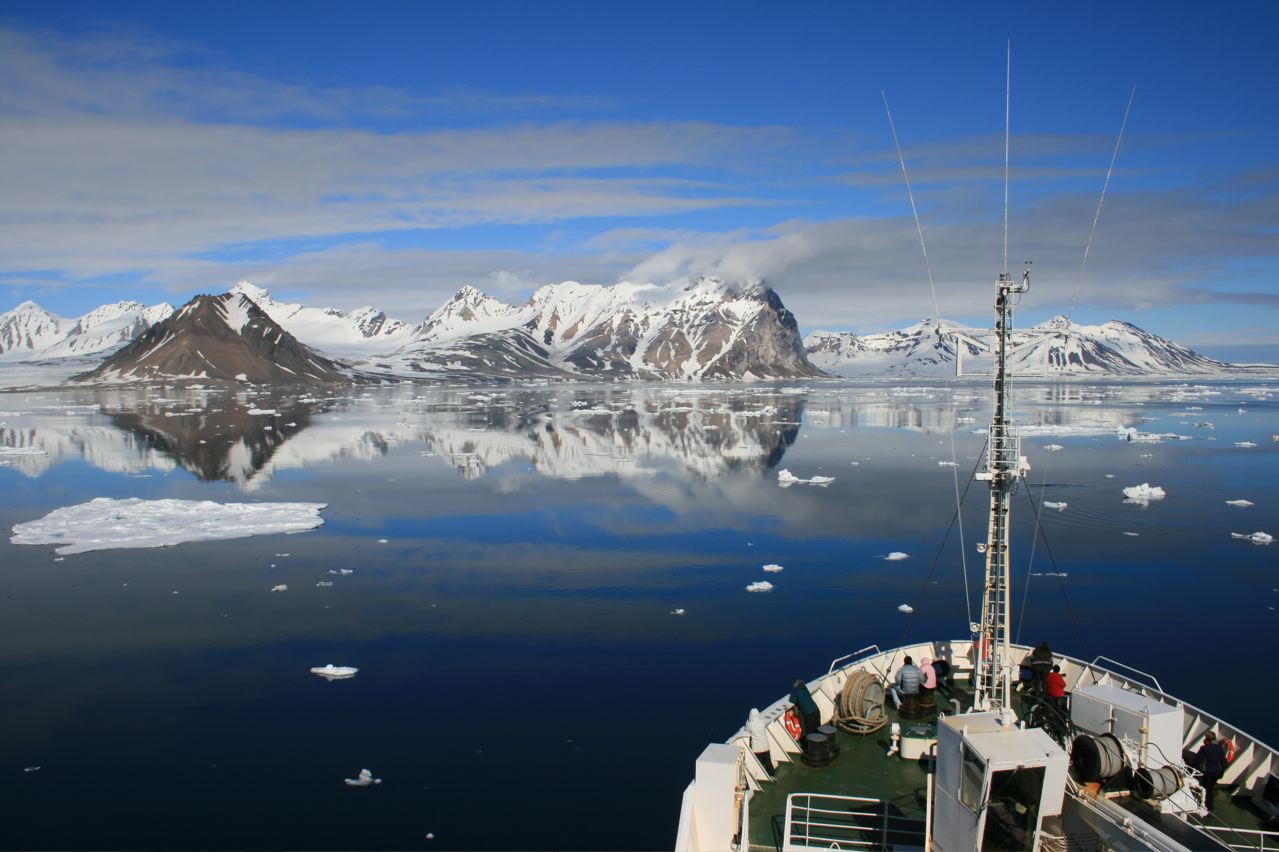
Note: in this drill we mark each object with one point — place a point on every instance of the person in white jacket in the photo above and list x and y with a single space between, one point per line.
759 740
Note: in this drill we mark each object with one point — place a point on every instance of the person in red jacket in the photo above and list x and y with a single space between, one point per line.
1056 687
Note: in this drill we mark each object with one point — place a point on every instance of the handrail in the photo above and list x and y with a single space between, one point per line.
799 833
1260 834
835 662
1153 679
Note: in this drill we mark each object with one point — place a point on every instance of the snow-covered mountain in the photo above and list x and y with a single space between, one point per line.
227 338
29 332
355 334
929 349
707 329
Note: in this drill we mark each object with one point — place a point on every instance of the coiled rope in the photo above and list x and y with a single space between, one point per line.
860 709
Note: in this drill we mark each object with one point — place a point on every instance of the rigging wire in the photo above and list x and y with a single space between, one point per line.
1034 542
1079 635
1114 155
932 287
941 547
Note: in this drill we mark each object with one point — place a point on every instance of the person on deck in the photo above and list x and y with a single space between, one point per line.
1210 760
759 740
809 715
1041 663
909 677
929 683
1057 688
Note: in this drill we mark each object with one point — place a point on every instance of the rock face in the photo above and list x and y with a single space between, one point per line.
930 349
708 330
29 332
227 338
354 334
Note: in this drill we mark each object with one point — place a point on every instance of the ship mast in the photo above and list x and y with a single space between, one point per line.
1004 465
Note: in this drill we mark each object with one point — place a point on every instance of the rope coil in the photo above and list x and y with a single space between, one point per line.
860 708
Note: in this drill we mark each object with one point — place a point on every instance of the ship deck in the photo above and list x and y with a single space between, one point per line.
863 769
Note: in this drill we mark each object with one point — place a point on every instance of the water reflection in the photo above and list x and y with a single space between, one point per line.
566 432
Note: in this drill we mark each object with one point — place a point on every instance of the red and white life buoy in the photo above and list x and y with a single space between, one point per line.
1229 746
794 726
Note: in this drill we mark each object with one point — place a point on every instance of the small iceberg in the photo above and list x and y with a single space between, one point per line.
1255 538
947 464
364 779
760 586
280 588
1243 504
1052 448
1142 494
896 556
1049 504
786 479
906 608
773 569
332 672
1245 444
679 611
324 584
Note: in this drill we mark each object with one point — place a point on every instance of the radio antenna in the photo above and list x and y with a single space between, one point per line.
1008 106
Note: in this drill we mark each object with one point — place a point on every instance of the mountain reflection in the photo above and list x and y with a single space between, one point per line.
566 431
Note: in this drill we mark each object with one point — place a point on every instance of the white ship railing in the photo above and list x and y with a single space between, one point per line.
820 821
1246 838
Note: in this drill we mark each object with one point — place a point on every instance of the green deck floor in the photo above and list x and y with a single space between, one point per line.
863 769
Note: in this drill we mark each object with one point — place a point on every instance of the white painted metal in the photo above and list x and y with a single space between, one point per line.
818 821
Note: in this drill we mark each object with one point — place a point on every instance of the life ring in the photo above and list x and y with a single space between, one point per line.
794 726
1229 746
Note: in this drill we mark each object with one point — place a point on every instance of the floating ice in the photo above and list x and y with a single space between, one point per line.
786 479
760 586
280 588
105 523
678 611
1255 538
324 584
1052 448
1110 476
947 464
365 779
1132 534
1143 493
1245 444
332 672
32 768
1241 503
342 572
773 569
896 555
906 608
262 411
22 451
1048 504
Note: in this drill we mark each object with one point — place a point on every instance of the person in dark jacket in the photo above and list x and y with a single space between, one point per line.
809 716
1041 663
1210 760
908 681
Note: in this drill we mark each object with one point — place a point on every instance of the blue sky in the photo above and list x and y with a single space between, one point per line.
345 156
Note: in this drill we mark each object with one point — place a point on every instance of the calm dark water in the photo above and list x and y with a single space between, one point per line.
516 557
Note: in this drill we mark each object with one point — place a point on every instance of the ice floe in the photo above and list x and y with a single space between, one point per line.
677 611
1142 494
896 555
1049 504
332 672
280 588
773 569
1255 538
364 779
760 586
1240 503
906 608
1052 448
1245 444
947 464
105 523
786 479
